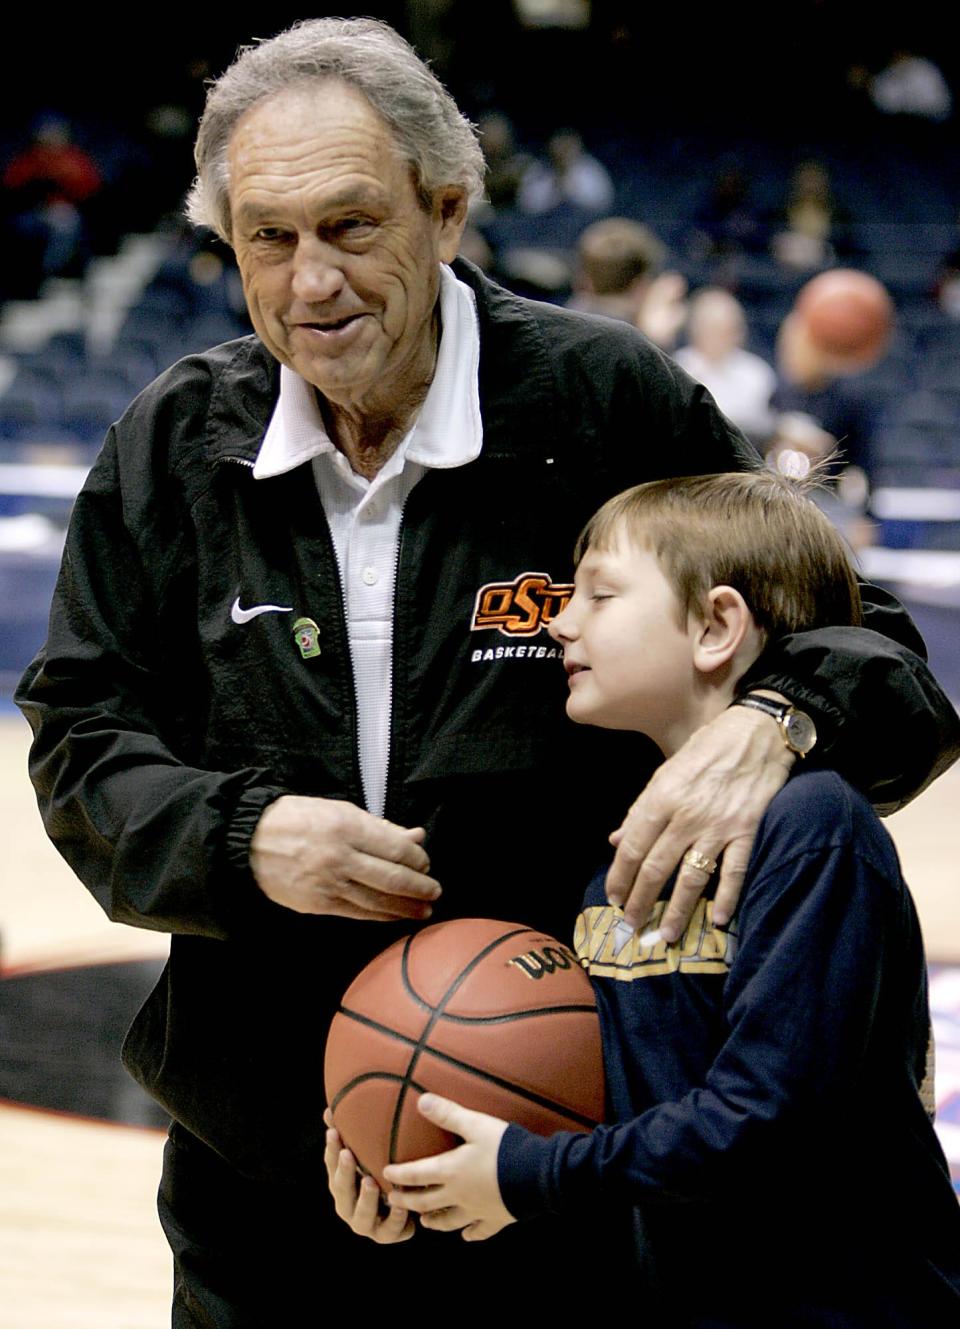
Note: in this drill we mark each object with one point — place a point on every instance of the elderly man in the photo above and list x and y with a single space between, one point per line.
298 691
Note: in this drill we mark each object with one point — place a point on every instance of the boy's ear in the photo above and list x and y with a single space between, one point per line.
726 623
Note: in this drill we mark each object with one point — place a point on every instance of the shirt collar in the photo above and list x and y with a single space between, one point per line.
448 430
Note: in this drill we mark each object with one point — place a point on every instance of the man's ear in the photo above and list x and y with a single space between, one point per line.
450 211
726 623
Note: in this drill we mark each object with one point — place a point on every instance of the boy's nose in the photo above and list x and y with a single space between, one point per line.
561 628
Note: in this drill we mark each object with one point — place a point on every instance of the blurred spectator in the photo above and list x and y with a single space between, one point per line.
475 248
812 383
810 224
618 274
47 186
616 261
911 85
947 283
570 175
797 446
741 383
170 125
506 165
725 222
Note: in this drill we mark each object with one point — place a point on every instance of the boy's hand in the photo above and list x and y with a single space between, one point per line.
357 1199
709 796
458 1189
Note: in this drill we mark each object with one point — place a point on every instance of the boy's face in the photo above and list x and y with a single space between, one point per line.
629 661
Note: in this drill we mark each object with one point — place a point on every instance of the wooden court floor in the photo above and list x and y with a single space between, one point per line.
80 1245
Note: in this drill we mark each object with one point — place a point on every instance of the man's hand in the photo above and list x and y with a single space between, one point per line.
357 1199
458 1189
320 856
709 796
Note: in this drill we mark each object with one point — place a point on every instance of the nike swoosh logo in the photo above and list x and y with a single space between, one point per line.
244 615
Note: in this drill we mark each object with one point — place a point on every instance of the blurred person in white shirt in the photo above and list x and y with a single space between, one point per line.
740 382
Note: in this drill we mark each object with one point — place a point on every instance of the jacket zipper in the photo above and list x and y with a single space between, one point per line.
345 639
387 787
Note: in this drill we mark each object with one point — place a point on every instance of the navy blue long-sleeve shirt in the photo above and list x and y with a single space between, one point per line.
770 1140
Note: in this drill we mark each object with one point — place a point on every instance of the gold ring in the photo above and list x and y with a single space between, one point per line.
694 859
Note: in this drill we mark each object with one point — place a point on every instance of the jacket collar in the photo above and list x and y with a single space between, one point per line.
518 389
447 430
518 396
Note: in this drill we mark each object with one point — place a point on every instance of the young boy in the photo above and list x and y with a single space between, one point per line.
771 1150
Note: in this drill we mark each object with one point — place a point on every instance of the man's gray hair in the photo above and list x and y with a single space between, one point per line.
438 142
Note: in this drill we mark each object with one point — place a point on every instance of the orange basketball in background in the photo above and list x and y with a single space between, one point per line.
847 314
496 1016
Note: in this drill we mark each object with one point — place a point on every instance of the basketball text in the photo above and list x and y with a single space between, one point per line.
536 964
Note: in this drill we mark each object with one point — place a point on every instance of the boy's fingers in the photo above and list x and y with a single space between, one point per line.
331 1156
397 1226
444 1220
424 1201
366 1211
420 1172
444 1112
478 1231
343 1182
368 1221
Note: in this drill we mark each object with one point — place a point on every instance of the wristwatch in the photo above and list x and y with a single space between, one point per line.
798 730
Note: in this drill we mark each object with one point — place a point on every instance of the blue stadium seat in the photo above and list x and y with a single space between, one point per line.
916 454
922 408
30 402
91 404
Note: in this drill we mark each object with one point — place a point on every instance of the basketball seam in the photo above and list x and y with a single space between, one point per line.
531 1095
481 955
369 1075
468 1019
436 1012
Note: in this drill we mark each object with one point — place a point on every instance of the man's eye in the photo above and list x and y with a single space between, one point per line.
601 595
270 233
354 225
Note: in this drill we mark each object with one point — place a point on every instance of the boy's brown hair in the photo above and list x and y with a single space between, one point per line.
756 531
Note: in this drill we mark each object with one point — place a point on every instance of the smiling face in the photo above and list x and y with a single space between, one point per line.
629 661
338 255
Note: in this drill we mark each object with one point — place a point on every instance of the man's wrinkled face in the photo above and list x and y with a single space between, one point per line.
338 255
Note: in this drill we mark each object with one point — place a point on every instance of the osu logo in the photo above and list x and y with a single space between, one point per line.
520 608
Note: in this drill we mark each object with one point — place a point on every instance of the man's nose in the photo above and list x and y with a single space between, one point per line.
317 273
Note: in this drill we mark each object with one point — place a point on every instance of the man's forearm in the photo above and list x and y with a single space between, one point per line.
882 719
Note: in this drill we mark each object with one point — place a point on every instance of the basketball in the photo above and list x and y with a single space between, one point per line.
496 1016
847 314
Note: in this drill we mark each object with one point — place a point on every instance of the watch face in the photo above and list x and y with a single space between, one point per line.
801 732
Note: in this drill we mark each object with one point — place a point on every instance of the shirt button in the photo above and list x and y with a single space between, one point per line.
370 512
370 576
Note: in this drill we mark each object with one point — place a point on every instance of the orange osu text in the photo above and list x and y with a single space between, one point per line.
520 608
